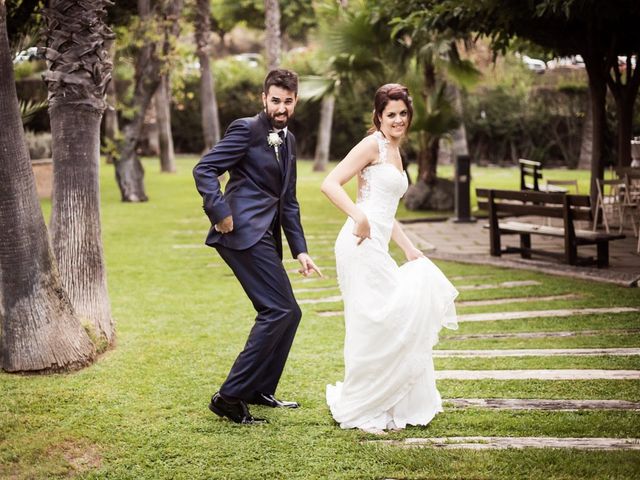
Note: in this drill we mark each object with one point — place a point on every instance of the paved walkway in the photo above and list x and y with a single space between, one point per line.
469 243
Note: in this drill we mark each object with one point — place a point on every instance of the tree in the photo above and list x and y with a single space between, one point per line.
150 65
79 71
163 117
208 101
40 331
565 27
347 59
272 33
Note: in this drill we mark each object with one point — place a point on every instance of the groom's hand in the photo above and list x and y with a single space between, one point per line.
308 266
225 225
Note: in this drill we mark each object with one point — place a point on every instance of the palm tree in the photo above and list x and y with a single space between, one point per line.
348 59
163 117
208 101
150 66
79 71
272 33
40 331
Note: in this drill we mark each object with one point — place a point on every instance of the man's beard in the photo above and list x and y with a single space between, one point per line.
280 122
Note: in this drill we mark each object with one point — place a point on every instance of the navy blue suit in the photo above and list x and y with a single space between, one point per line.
261 197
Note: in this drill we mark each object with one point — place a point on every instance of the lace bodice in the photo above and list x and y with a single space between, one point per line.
381 186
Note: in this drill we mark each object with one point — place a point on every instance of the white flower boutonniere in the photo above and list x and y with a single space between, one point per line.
274 140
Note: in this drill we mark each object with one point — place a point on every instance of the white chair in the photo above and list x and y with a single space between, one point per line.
610 202
563 183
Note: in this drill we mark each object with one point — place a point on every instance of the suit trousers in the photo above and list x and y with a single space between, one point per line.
262 275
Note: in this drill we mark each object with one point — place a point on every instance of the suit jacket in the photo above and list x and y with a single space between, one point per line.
258 195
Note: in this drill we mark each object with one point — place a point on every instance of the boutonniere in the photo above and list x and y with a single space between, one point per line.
274 140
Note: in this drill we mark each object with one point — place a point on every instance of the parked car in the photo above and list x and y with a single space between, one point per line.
27 55
534 64
251 59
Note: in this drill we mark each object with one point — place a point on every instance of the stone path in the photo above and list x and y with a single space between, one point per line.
469 243
492 443
467 303
490 317
537 352
488 286
541 404
577 333
504 301
574 374
557 405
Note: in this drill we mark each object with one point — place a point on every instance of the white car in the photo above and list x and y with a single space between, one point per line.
534 64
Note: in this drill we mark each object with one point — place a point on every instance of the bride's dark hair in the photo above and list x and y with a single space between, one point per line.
390 91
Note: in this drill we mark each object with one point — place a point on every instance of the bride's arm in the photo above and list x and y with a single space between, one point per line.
359 157
401 239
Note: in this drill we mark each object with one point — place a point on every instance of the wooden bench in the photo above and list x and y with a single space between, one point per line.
531 175
500 203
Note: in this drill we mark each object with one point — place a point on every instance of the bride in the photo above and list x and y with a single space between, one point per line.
392 314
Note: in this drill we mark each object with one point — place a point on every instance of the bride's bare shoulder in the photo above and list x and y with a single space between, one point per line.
368 147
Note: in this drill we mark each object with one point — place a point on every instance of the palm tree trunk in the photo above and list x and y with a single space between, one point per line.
321 159
429 145
77 103
40 331
460 144
149 64
163 110
111 127
595 67
208 100
587 136
272 33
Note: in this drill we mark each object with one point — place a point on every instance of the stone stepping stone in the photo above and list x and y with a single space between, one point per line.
519 283
579 374
336 298
481 336
537 352
488 317
322 269
542 404
502 301
312 290
467 277
500 443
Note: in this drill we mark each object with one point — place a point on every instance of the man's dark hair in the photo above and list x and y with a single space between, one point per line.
283 79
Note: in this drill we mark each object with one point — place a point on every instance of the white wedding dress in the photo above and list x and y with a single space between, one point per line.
392 316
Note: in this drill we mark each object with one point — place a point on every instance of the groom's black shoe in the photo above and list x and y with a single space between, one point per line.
271 401
237 412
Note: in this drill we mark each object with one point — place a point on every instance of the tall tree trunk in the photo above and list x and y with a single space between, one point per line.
111 127
163 110
40 331
272 33
587 136
428 154
624 93
460 144
78 74
208 100
321 159
596 70
129 170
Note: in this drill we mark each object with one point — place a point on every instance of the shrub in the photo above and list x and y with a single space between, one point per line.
39 144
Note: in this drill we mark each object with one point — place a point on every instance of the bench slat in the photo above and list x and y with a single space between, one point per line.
520 227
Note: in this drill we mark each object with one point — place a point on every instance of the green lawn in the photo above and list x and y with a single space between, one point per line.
140 411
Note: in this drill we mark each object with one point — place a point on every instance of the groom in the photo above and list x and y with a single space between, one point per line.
259 199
